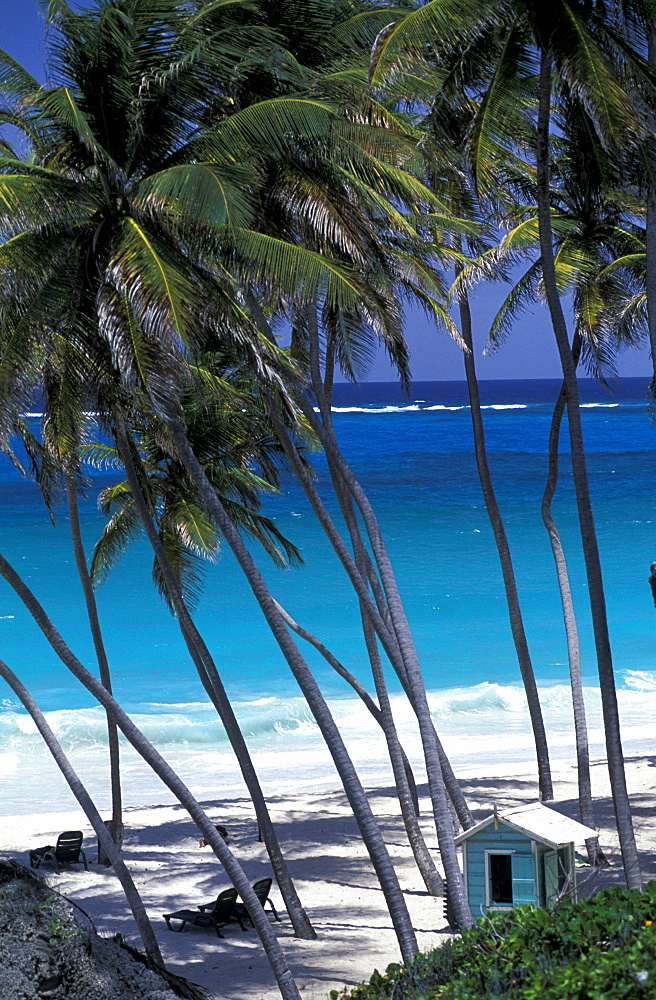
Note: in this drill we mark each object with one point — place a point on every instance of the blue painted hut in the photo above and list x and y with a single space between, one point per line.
520 856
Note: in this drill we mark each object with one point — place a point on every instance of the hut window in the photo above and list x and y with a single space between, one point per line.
500 875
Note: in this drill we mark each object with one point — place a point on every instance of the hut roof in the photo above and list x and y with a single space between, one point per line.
537 822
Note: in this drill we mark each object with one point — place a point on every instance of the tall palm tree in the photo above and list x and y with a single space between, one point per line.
236 874
341 214
157 499
450 118
55 458
105 839
186 533
588 534
599 252
149 227
568 45
101 654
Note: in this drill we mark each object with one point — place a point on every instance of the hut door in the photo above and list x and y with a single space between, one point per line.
523 880
550 861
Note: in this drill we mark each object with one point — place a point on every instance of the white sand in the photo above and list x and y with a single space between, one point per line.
327 861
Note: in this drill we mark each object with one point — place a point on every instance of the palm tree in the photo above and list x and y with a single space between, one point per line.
53 459
148 224
569 44
447 124
186 534
332 212
105 839
236 874
599 256
101 655
182 530
588 534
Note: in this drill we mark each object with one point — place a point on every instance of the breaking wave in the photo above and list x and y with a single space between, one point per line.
416 408
485 725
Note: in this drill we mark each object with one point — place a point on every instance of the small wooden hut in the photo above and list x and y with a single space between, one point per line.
521 856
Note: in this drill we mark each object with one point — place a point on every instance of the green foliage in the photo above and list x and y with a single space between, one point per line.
57 927
59 931
602 948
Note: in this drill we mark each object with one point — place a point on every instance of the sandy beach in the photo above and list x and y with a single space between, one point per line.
328 863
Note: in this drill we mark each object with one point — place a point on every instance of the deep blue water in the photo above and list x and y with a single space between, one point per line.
414 456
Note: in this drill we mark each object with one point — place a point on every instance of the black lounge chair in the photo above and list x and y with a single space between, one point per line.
216 914
261 890
67 851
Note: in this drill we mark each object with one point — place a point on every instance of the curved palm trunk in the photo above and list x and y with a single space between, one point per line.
388 616
234 871
86 803
595 855
214 686
361 692
101 656
437 765
398 648
586 521
409 673
355 793
429 873
503 549
403 657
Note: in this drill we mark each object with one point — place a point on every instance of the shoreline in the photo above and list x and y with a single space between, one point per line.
482 728
327 861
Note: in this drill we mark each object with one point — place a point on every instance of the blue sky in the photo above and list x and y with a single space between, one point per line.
529 352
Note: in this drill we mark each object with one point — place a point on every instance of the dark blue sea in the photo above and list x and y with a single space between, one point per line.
414 456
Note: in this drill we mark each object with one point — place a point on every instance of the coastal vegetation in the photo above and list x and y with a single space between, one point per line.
599 947
210 209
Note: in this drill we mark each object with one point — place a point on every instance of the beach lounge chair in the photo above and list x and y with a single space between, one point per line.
216 914
262 888
67 851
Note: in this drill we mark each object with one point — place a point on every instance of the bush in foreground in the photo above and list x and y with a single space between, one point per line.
603 948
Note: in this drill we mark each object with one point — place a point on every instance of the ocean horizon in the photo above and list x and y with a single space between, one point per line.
414 455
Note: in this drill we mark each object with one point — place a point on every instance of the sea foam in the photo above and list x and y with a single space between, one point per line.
483 725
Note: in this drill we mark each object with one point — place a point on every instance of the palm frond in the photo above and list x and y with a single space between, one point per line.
123 526
437 24
207 193
520 298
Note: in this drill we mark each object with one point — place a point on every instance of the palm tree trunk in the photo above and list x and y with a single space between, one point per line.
512 598
236 874
381 615
101 655
425 864
209 675
429 873
437 764
408 671
397 647
595 855
105 839
361 692
355 793
403 658
586 521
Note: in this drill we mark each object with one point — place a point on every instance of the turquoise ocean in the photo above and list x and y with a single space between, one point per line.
414 455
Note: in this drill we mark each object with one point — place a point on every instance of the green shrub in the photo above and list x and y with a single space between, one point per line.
603 948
